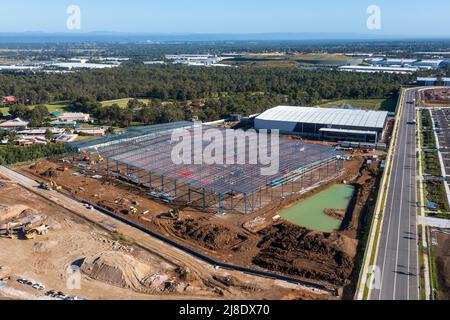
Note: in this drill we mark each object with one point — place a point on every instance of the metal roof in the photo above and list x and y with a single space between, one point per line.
332 117
434 79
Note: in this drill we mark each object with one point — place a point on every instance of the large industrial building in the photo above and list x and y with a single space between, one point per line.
433 81
326 124
426 64
378 69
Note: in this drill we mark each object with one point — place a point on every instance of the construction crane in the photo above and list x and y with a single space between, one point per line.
85 156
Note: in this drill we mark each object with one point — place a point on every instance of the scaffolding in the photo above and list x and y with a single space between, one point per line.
145 159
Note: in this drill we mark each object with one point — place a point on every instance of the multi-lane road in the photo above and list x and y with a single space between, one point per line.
397 257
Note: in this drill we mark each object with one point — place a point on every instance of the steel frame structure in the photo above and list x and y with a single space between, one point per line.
146 160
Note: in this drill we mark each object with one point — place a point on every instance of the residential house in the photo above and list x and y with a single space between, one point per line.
74 117
15 124
9 100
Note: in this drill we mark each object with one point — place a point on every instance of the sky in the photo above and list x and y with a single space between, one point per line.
398 18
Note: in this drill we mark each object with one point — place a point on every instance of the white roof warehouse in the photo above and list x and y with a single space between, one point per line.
329 124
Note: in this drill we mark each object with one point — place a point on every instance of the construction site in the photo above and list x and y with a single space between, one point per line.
146 161
223 221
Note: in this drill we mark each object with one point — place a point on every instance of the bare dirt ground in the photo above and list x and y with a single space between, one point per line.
113 265
223 237
441 253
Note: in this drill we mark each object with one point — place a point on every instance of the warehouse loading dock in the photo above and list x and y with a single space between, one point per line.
348 135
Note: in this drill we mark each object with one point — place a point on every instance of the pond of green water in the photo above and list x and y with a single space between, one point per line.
310 214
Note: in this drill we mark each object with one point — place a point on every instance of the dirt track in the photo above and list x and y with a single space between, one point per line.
441 254
222 238
204 281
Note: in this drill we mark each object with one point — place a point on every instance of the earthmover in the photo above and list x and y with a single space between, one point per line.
30 233
44 186
173 214
133 210
54 185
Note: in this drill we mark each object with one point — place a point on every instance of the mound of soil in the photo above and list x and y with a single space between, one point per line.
50 173
300 252
335 213
211 236
10 212
117 269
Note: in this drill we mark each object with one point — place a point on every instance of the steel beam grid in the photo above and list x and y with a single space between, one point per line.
153 154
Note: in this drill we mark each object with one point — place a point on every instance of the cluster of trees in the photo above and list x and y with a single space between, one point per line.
37 116
225 91
181 83
15 154
155 111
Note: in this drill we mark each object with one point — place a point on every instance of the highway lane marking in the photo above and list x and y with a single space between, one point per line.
405 151
409 217
414 227
396 159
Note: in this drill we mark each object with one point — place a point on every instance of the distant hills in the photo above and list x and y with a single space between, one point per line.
114 37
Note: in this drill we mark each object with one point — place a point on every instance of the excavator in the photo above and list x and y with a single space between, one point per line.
133 211
173 214
54 185
25 229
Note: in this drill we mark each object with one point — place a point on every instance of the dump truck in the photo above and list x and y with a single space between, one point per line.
30 233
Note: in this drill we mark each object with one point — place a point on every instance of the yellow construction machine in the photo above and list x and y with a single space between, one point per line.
30 233
133 210
173 214
54 185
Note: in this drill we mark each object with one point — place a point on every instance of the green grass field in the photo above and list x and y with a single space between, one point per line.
122 102
367 104
61 106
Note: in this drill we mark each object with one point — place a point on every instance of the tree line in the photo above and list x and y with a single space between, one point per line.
15 154
245 90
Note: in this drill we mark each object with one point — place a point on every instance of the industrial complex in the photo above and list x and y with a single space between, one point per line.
326 124
143 157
